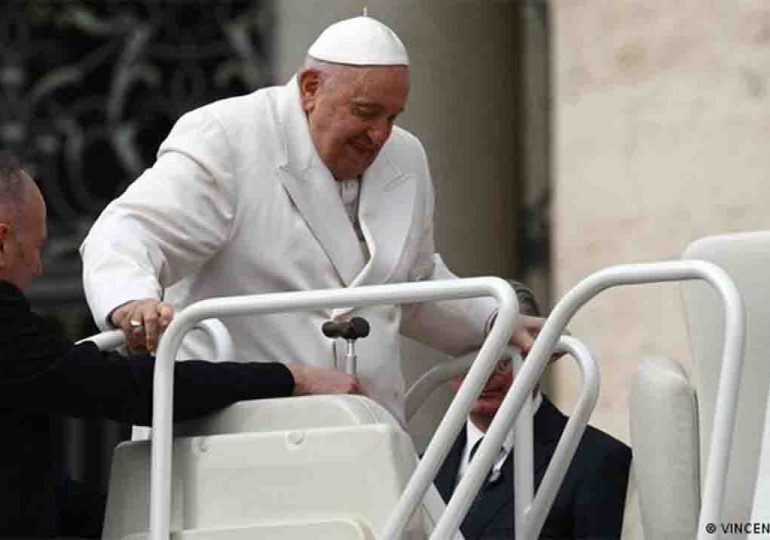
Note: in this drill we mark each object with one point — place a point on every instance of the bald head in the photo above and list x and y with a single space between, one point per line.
22 224
12 185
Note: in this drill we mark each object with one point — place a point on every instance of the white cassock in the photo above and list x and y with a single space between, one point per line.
239 202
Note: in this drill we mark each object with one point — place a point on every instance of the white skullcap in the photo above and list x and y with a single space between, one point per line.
360 41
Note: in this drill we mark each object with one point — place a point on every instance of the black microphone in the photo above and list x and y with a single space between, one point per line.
332 329
356 328
359 328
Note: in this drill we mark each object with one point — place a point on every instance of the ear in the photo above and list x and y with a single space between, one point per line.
309 85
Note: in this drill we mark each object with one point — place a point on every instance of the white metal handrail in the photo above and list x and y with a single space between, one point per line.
530 516
761 505
106 341
224 348
424 386
537 359
493 347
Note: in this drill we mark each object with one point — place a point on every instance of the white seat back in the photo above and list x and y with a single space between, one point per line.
664 436
746 259
279 474
761 506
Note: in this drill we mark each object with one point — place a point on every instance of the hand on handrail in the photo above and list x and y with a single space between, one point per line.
142 321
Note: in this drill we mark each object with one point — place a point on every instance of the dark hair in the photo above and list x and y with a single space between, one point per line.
11 179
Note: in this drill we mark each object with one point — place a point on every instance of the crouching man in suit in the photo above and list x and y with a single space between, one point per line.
589 503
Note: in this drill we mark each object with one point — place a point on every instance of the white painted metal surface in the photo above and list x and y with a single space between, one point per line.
224 349
760 512
184 320
455 416
532 517
106 341
729 380
422 388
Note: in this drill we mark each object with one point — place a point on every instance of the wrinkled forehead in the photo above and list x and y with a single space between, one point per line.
376 83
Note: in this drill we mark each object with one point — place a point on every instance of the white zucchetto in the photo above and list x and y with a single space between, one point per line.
360 41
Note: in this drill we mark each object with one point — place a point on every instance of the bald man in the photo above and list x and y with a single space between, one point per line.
304 186
43 374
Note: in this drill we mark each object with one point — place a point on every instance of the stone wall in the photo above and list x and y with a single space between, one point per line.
660 136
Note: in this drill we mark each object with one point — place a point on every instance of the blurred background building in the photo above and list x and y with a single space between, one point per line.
563 136
88 91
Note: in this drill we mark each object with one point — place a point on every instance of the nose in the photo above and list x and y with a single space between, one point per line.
379 132
38 268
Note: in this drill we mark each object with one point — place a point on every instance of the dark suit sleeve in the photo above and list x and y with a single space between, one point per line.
600 499
86 382
42 372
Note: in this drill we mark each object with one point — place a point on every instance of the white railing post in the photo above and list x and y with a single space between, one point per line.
160 471
537 359
452 422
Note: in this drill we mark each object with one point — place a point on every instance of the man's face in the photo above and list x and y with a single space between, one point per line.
351 111
494 390
22 236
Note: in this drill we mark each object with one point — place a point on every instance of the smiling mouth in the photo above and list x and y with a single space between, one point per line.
362 148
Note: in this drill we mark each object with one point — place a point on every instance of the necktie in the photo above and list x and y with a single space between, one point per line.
493 474
473 450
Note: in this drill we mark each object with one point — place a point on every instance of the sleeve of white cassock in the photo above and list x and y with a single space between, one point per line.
168 222
454 326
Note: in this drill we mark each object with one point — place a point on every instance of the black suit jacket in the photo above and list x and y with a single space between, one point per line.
589 503
42 374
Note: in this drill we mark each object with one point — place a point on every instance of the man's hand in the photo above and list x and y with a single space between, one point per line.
526 331
319 380
141 322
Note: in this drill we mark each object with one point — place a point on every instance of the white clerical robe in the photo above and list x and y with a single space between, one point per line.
239 202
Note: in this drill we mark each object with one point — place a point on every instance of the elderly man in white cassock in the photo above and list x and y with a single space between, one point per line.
304 186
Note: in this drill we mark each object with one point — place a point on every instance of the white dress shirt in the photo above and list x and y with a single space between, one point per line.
349 194
473 434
